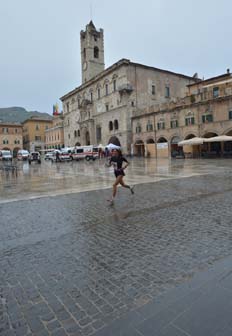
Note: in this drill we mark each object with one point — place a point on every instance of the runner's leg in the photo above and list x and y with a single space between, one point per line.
126 185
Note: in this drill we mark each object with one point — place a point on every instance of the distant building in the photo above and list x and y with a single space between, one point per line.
100 110
205 111
34 133
11 137
54 135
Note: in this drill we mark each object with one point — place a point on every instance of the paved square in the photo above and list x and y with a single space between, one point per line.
70 264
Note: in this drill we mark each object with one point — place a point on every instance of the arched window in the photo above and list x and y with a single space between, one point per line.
116 124
96 52
75 134
78 133
111 126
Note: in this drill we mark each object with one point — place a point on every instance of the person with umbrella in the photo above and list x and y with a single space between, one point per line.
116 161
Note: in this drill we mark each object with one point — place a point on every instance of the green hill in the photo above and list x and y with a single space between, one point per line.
19 114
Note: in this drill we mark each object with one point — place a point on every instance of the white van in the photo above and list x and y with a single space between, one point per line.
85 152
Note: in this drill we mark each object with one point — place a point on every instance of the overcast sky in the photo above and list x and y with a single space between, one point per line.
40 46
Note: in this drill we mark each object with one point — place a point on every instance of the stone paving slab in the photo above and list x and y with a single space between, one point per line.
71 265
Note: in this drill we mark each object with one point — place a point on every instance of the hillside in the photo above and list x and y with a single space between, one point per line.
19 114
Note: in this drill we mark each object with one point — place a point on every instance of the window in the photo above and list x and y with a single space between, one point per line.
111 126
67 105
207 118
107 107
167 92
174 123
153 89
46 127
116 124
5 142
75 134
78 133
230 114
5 130
37 127
133 103
17 142
115 85
138 128
189 121
149 126
69 136
84 53
98 93
98 133
215 92
161 125
37 138
107 89
91 97
16 130
96 52
78 102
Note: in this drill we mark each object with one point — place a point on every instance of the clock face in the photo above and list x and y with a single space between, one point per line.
84 65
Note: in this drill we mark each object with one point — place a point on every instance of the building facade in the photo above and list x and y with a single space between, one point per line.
34 133
11 137
205 111
100 110
54 135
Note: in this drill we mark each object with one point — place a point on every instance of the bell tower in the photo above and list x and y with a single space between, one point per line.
92 52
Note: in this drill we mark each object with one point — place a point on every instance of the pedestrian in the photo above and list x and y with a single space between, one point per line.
58 156
116 161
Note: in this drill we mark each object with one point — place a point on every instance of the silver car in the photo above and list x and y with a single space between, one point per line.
5 155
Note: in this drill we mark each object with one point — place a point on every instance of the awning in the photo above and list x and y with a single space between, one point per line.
191 142
219 138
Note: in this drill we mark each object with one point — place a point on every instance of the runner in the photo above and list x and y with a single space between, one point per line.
117 160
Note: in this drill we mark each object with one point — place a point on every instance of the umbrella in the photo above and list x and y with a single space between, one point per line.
220 138
112 146
191 142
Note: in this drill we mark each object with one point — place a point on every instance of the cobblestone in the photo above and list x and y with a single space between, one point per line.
81 264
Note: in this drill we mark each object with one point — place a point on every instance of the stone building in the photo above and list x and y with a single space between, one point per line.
100 110
11 137
205 111
54 135
34 133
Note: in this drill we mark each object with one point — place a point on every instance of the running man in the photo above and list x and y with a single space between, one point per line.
117 160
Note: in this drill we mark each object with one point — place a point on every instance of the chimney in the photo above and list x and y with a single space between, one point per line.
228 71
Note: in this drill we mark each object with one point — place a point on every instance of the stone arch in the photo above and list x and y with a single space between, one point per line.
228 132
189 136
139 148
175 149
210 134
114 140
162 140
150 141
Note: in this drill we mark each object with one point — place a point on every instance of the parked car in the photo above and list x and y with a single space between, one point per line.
34 156
23 154
85 152
61 155
5 155
48 156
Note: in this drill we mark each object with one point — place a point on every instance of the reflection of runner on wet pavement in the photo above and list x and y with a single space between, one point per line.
116 161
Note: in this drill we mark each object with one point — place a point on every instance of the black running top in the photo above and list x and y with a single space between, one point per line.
117 161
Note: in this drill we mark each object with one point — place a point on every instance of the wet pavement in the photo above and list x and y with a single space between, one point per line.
72 265
51 179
